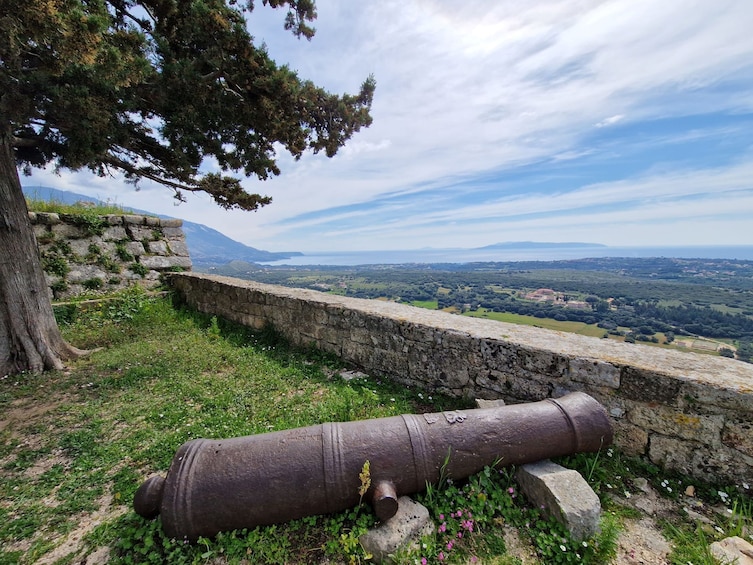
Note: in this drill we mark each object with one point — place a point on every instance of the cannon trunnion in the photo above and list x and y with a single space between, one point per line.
216 485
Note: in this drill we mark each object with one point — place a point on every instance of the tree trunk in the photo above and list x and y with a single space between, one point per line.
29 336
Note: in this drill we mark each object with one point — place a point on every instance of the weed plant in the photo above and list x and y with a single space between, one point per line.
75 445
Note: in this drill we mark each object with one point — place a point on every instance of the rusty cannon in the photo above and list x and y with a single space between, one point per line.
216 485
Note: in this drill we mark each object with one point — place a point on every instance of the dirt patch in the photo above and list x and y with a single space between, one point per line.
72 542
641 543
27 412
516 546
45 464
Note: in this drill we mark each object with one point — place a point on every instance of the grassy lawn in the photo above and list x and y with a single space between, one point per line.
548 323
75 445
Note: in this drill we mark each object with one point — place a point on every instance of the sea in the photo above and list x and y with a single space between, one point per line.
507 254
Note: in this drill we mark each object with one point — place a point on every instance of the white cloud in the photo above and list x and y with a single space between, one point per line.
474 88
610 121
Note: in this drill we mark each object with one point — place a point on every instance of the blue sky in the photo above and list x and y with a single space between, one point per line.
621 122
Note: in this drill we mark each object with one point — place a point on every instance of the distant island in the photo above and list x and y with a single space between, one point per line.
539 245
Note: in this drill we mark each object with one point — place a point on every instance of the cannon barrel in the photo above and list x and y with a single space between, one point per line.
216 485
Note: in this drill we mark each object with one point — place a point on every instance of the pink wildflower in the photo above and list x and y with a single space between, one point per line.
440 556
449 545
423 561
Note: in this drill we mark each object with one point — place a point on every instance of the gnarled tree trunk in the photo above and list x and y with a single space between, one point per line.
29 336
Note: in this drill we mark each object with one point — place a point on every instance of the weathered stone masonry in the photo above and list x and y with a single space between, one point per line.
686 412
89 253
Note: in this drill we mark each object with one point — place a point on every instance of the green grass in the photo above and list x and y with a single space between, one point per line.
75 445
547 323
53 206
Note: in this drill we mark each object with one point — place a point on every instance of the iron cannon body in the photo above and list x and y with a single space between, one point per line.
216 485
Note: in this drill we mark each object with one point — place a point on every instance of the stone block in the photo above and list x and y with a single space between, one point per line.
81 273
527 389
40 230
114 233
161 263
152 221
135 248
158 247
734 550
594 372
564 495
647 386
404 529
665 420
133 220
739 435
139 232
80 247
727 394
48 218
172 232
67 231
631 439
170 222
483 403
698 460
178 247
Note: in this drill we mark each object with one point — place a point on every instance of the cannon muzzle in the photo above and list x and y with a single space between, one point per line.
216 485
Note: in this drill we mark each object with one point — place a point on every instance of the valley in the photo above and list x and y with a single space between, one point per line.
702 305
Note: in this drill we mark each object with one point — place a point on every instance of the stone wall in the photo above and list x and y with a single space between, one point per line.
89 253
687 412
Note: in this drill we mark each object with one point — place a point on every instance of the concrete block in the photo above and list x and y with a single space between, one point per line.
564 495
406 527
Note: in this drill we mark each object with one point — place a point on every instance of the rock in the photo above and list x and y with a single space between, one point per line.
564 494
482 403
350 375
642 485
406 527
734 550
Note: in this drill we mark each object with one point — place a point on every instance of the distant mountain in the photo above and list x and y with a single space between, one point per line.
538 245
206 245
210 247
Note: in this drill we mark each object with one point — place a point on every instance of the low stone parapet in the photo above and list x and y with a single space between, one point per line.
88 253
686 412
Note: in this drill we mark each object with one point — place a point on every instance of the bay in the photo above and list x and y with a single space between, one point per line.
505 254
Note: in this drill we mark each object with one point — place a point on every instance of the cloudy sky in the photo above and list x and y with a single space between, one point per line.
621 122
